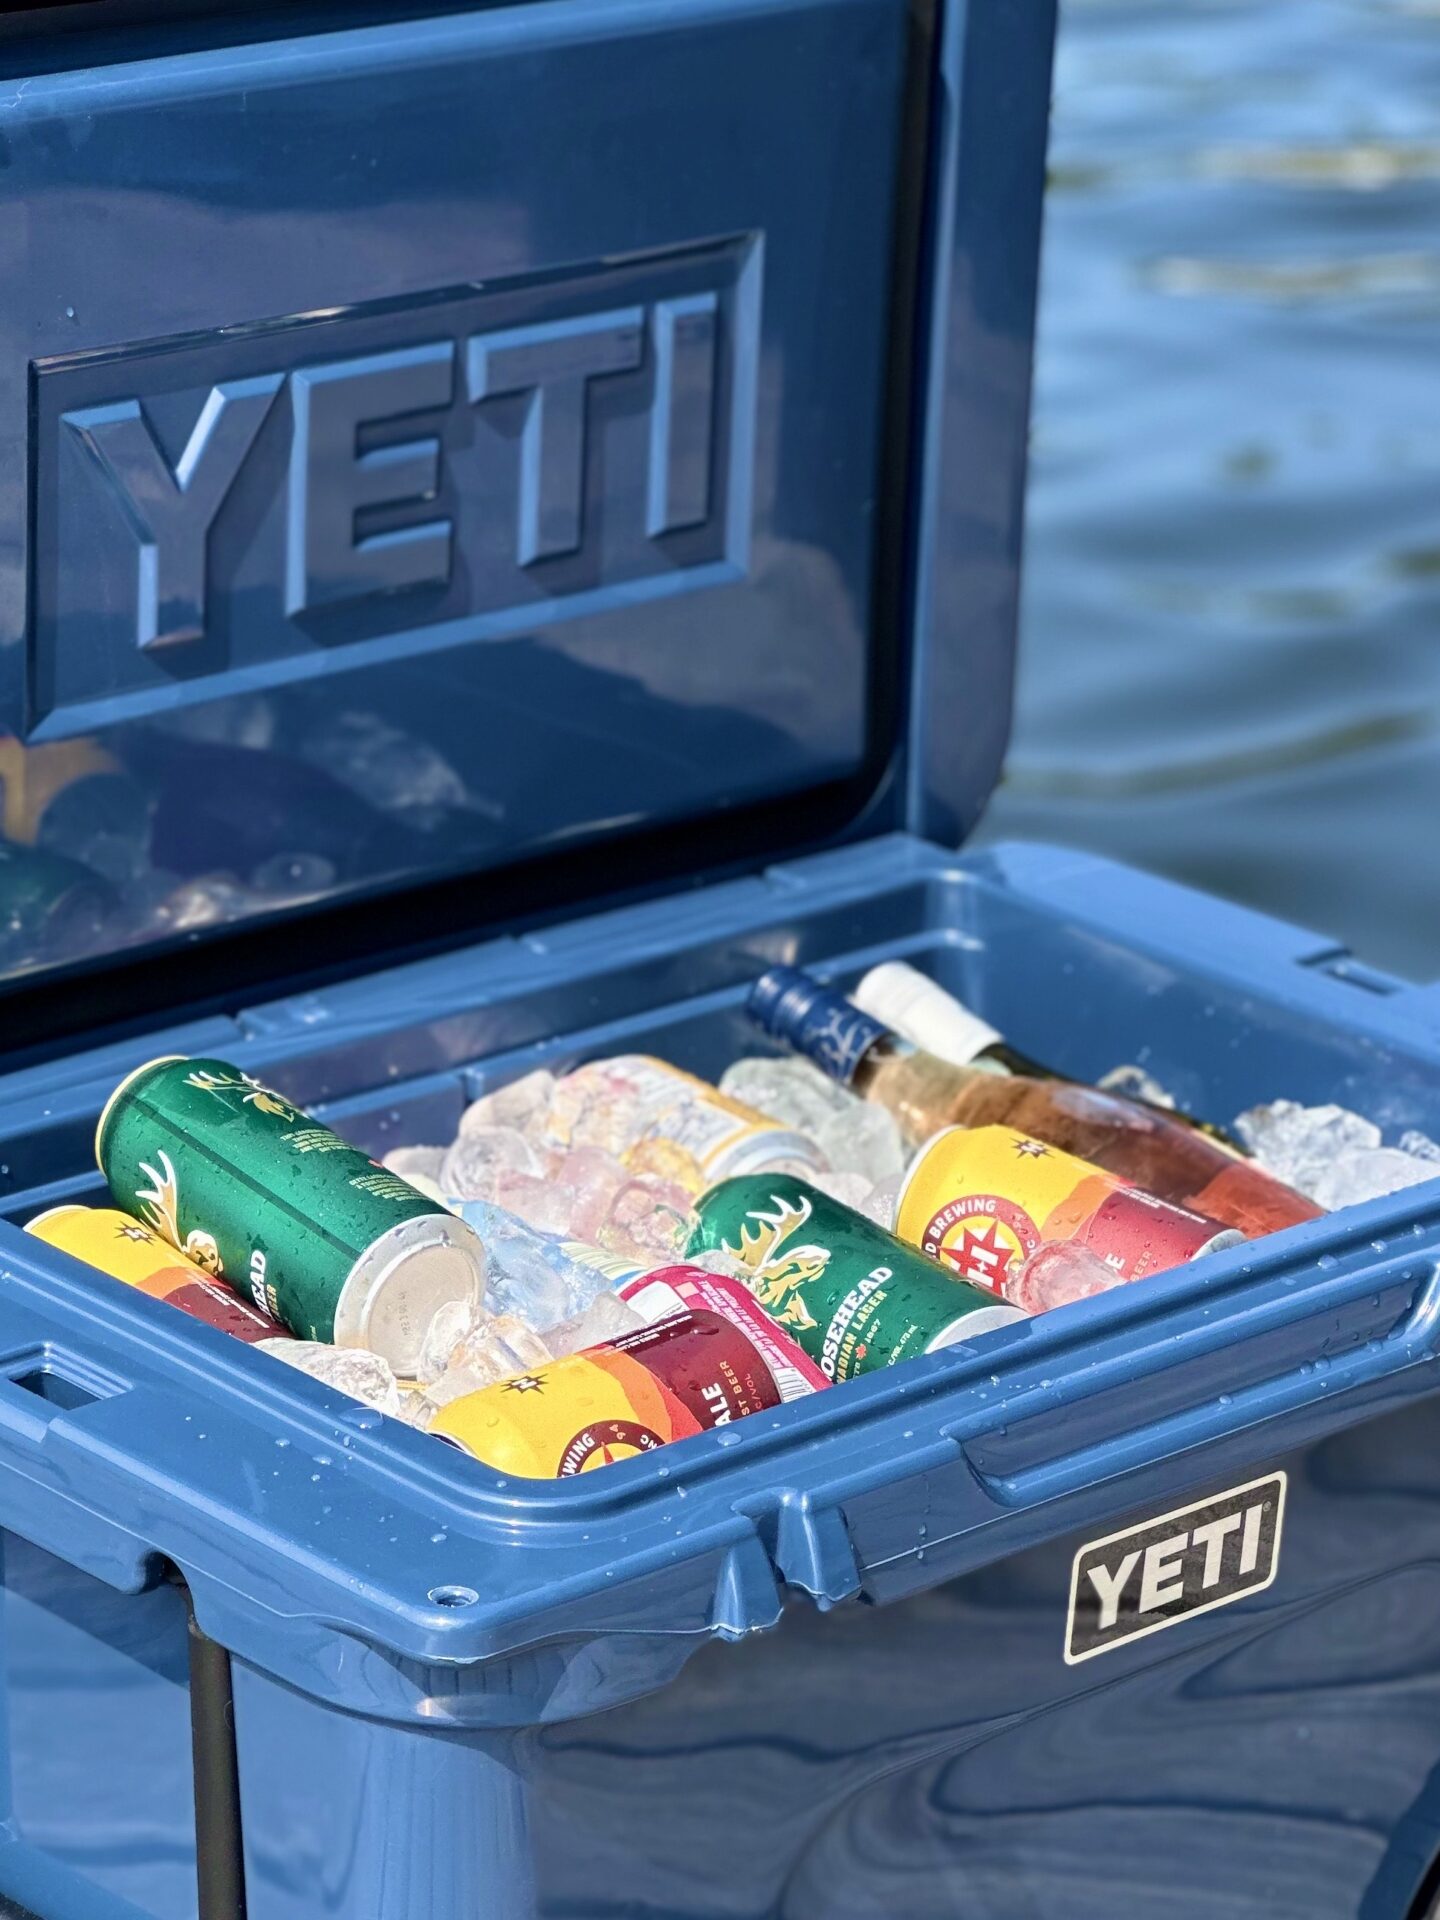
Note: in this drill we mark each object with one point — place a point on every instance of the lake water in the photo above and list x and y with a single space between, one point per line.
1230 658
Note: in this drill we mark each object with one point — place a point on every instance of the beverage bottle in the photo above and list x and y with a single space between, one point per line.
919 1010
1143 1145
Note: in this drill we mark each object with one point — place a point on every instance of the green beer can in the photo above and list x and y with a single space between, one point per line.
251 1188
851 1294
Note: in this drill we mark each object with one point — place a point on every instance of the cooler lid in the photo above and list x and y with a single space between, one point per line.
459 464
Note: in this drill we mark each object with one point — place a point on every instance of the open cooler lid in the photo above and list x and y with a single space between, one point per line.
555 447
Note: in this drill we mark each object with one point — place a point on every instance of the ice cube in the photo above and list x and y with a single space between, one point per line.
1300 1145
451 1325
1419 1145
794 1092
407 1162
497 1349
350 1370
850 1189
593 1177
862 1139
527 1272
1056 1273
472 1168
649 1219
522 1105
606 1318
717 1260
882 1202
1134 1083
1366 1174
547 1205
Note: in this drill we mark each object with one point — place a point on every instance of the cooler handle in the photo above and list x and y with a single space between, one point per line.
1356 1328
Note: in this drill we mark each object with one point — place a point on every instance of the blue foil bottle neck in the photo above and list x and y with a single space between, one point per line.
813 1019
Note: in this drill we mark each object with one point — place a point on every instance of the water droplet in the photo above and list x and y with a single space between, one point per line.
439 1539
1327 1260
662 1473
279 1443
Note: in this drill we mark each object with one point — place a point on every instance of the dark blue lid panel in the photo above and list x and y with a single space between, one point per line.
431 445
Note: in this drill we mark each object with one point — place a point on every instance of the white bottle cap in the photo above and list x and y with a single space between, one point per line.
923 1013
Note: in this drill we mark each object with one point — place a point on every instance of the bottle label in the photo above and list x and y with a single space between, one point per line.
815 1020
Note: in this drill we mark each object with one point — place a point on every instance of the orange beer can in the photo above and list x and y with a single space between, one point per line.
120 1245
686 1374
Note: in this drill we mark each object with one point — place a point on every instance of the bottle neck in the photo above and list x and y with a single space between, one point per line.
847 1044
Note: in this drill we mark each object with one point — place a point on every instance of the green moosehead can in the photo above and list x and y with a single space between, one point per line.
314 1230
851 1294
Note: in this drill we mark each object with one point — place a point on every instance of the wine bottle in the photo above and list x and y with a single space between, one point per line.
1144 1145
917 1009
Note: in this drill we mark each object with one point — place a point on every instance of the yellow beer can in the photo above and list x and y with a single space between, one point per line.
126 1249
981 1199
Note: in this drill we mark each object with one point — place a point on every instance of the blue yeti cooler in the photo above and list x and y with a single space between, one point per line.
512 528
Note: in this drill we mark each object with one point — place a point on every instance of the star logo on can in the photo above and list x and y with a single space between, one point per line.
1031 1149
525 1383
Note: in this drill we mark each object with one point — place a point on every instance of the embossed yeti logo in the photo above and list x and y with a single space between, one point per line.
313 499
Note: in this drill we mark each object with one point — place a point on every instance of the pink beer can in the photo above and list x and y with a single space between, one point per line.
655 1296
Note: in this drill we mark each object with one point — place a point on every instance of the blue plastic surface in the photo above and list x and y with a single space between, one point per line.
432 446
926 1753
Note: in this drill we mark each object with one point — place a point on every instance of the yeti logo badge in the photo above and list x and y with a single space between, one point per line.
1222 1548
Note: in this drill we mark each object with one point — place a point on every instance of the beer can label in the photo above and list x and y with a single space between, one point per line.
981 1199
718 1134
132 1253
850 1294
689 1373
669 1290
249 1187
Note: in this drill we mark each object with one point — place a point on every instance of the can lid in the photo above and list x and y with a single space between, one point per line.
53 1213
399 1283
160 1060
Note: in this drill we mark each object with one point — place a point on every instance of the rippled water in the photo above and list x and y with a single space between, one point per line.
1230 663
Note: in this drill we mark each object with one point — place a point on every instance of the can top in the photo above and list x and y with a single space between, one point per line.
53 1213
